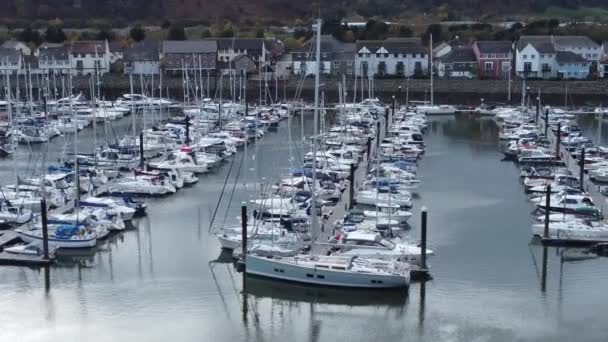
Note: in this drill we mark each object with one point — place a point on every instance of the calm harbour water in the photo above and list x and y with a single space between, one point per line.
167 280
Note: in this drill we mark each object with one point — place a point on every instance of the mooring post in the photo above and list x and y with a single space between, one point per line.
547 211
377 134
244 231
385 120
423 238
45 229
187 130
546 123
582 166
141 150
392 117
352 186
559 141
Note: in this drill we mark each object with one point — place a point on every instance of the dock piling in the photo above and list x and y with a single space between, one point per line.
351 186
547 211
582 166
559 141
546 123
141 150
423 238
385 120
244 231
45 229
187 130
377 134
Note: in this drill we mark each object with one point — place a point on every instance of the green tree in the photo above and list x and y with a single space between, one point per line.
54 32
105 34
259 33
227 31
137 33
176 32
30 35
206 34
435 30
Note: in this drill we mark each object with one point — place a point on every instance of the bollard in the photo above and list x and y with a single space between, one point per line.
547 211
423 238
244 231
582 166
187 130
377 134
546 123
559 141
352 186
385 120
45 229
141 150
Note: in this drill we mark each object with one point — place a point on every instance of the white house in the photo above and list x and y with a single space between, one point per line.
304 58
535 60
142 58
89 57
10 61
54 60
17 45
391 57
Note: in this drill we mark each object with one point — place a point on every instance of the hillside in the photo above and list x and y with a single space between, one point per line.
284 11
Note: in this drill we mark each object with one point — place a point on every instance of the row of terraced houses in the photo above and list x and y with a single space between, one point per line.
533 57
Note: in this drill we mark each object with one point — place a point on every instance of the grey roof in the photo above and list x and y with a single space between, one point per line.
142 51
541 45
459 55
569 57
490 46
242 43
391 46
11 55
190 46
53 53
564 41
414 40
328 44
11 44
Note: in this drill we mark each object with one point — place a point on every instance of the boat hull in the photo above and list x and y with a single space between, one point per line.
270 268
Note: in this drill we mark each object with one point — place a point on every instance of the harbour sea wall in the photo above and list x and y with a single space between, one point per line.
467 92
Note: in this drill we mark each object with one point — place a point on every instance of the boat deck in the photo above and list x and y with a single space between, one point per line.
8 237
573 166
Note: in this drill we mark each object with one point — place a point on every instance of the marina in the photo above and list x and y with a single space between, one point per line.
219 219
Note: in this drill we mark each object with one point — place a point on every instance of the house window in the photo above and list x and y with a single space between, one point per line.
378 55
532 56
396 55
360 55
527 67
349 72
386 55
324 54
349 63
525 56
542 56
489 66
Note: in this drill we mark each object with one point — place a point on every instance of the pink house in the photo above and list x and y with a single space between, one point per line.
495 58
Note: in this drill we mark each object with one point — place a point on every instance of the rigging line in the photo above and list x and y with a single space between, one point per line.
221 194
233 188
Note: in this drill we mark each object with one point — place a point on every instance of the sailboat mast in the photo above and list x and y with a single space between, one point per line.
76 169
314 135
132 104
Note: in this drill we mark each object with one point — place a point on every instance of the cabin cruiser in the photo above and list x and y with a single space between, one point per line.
374 197
180 161
373 245
339 271
573 231
566 203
